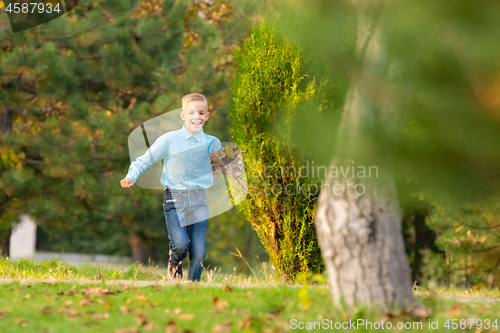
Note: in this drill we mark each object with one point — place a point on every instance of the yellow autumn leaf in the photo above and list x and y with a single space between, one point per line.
455 311
186 316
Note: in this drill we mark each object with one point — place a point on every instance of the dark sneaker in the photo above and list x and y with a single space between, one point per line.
175 269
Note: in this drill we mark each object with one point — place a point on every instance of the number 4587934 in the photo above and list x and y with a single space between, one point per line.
469 323
32 8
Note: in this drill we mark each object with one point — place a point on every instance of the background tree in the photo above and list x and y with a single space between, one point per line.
469 244
78 85
419 240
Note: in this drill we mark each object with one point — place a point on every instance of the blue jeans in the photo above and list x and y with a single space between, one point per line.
186 215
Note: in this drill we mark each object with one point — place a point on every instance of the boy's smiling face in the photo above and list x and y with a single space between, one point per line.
194 114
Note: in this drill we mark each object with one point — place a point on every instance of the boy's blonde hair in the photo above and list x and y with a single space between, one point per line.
193 97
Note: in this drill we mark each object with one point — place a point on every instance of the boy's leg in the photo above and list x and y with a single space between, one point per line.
177 234
197 233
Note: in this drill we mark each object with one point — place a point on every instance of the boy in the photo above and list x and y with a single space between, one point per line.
187 172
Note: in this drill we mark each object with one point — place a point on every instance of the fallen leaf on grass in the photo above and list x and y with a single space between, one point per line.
68 302
250 294
52 282
98 291
186 316
267 330
455 311
236 310
245 323
22 321
152 305
388 316
227 289
220 312
140 298
69 312
125 309
283 325
167 311
101 301
2 314
219 305
151 326
221 328
27 296
268 321
171 327
47 310
68 292
86 302
416 310
141 320
177 311
127 330
107 306
100 315
275 313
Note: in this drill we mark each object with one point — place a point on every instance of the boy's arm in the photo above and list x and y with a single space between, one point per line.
215 145
158 150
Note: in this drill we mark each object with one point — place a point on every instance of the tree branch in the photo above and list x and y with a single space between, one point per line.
91 83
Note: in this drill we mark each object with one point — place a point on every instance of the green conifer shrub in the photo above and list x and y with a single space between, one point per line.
269 87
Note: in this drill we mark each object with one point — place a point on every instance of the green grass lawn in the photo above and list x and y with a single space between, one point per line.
183 307
57 269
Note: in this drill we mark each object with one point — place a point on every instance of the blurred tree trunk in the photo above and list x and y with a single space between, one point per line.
418 238
6 230
360 232
362 246
5 121
140 252
5 243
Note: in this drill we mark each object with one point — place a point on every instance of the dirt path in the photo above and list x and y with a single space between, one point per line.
142 283
460 298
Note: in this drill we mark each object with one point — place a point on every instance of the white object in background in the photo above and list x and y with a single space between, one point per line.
23 238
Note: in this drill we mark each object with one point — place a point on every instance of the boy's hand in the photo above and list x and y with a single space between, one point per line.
126 182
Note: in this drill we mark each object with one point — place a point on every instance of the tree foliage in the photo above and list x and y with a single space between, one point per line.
468 237
75 88
269 84
441 141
